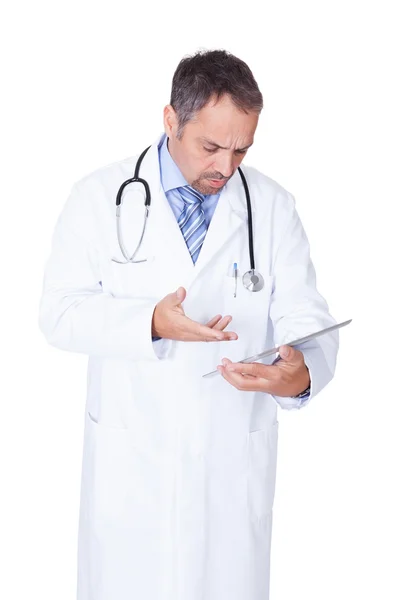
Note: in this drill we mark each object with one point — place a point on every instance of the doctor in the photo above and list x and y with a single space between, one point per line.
178 471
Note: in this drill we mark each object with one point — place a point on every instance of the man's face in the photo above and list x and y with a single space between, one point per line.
212 145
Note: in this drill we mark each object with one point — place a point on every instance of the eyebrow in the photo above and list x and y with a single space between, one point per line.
211 143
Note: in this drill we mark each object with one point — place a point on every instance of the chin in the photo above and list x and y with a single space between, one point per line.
211 191
206 190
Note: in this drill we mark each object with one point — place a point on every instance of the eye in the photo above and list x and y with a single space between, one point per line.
209 149
240 151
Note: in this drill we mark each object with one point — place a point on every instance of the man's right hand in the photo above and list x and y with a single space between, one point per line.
170 322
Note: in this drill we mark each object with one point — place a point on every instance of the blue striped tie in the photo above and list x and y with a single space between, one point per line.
192 221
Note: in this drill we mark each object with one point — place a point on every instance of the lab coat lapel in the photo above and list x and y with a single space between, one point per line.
163 232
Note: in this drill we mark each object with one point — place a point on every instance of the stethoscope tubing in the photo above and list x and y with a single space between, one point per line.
249 276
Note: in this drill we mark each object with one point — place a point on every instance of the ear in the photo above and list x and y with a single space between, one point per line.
170 121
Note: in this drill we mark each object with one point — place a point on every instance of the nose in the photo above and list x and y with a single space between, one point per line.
224 165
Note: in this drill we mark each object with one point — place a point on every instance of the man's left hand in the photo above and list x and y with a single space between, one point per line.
288 377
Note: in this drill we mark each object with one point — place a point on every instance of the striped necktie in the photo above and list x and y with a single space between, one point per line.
191 221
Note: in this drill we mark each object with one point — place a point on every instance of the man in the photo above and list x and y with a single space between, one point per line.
178 470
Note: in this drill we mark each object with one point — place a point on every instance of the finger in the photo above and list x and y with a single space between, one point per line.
197 332
204 333
243 383
214 334
254 369
214 321
219 322
188 330
223 323
251 377
230 335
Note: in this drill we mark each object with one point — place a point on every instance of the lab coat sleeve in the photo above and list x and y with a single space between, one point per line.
75 314
298 309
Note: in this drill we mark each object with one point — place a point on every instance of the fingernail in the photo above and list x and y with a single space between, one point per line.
224 362
230 368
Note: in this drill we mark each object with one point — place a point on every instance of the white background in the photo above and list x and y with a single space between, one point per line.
84 84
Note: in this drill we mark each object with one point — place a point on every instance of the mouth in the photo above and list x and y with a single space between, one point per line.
217 182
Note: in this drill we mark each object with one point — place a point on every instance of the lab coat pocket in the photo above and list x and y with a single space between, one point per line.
262 456
249 311
109 472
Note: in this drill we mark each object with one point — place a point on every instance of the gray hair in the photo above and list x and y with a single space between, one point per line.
212 74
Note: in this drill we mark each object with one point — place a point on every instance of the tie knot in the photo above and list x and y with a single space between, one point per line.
190 195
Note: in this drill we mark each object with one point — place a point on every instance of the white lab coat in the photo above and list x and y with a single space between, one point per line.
178 472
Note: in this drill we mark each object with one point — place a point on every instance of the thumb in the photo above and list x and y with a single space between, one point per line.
287 352
179 296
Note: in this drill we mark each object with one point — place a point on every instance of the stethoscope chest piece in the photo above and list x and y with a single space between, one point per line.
253 281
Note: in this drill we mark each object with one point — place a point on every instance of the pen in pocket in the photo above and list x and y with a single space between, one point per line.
235 269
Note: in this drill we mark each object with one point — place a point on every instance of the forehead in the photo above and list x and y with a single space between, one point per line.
224 110
223 124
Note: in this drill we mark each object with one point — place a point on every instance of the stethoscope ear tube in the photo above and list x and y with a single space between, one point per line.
250 220
134 180
137 179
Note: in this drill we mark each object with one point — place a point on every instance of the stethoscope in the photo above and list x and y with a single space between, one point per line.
252 279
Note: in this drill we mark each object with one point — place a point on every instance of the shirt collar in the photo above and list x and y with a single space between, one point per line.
171 176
